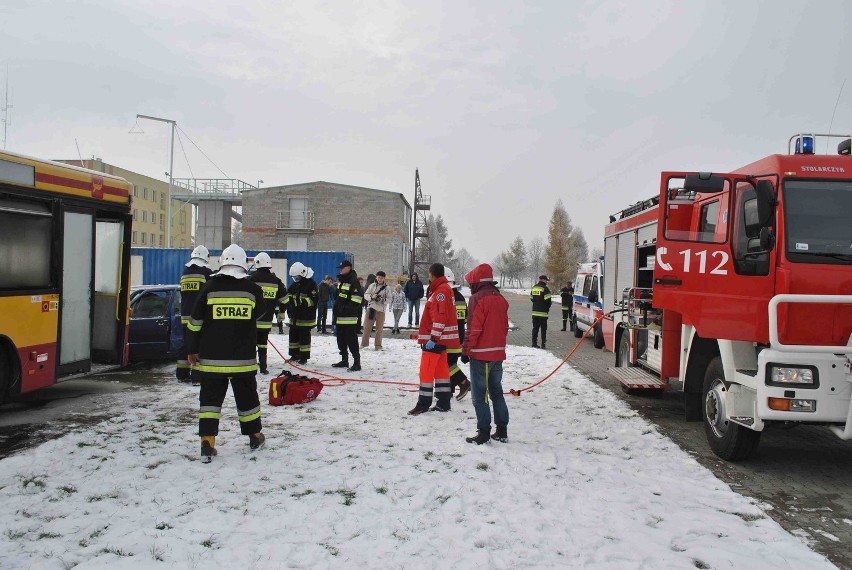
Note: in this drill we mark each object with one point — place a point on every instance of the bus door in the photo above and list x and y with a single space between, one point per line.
75 340
109 321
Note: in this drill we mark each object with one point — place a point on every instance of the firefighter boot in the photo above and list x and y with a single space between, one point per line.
356 366
500 434
464 389
482 436
443 397
261 359
256 441
208 448
344 363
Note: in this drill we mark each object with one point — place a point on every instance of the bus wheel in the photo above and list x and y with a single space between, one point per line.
6 371
599 338
577 332
728 440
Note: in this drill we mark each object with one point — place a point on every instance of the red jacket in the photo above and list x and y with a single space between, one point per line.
487 318
439 316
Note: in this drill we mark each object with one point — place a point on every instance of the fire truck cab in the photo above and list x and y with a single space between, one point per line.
738 288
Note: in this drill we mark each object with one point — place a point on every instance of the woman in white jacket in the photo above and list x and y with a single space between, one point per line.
377 296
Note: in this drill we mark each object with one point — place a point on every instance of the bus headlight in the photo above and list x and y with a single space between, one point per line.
789 375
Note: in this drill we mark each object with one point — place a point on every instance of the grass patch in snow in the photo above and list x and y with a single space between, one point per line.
347 494
48 535
482 466
301 494
330 548
209 542
116 551
32 481
156 553
97 498
15 534
163 526
381 490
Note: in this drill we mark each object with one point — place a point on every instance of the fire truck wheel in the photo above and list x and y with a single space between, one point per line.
577 332
728 440
599 338
6 371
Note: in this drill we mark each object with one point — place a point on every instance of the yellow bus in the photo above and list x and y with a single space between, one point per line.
64 271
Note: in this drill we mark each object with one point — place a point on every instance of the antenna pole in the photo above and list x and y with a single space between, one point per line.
6 107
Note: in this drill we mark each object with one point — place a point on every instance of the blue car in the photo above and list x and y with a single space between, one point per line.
155 329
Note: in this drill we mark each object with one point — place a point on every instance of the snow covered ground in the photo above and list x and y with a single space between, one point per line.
351 481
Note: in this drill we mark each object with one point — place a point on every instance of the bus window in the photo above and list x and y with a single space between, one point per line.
26 234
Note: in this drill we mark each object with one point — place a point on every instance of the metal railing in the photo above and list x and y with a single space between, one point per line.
295 220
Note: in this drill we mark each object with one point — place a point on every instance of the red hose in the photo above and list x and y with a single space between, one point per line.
343 381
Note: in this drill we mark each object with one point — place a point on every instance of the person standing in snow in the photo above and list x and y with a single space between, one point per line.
438 331
221 344
413 292
458 379
567 294
301 302
323 294
274 293
347 310
541 301
377 303
193 279
398 304
485 349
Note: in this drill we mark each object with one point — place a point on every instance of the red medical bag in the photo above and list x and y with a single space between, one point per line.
288 389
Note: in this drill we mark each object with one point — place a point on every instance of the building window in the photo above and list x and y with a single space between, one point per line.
144 193
162 221
161 240
134 214
142 234
134 237
135 191
144 215
153 217
297 243
152 239
154 195
183 217
162 201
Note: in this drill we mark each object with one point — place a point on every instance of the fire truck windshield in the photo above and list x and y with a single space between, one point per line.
817 226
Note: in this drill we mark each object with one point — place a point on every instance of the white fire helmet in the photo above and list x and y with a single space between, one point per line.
451 277
262 259
200 256
309 272
233 255
297 269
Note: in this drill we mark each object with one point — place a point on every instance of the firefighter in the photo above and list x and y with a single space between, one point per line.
438 332
221 344
193 279
541 301
347 308
567 294
457 376
301 303
274 292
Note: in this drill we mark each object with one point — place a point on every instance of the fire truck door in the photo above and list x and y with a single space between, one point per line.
695 274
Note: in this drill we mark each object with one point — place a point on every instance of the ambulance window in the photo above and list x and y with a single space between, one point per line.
594 285
587 285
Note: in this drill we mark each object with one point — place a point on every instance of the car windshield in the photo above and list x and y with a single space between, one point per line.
817 221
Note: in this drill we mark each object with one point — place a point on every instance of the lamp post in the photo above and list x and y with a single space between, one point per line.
259 182
171 176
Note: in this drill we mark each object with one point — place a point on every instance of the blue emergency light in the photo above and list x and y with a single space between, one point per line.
805 145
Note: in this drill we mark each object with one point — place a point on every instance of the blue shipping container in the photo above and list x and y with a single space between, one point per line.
163 266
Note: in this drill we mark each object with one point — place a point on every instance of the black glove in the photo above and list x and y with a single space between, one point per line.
465 359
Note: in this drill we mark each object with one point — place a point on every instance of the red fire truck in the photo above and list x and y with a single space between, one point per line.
738 288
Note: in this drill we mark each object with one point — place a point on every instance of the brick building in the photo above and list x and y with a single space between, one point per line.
375 225
149 207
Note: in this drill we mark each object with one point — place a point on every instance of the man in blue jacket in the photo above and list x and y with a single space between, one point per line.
414 292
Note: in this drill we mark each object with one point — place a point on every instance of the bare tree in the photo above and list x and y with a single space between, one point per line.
596 254
463 263
515 261
535 257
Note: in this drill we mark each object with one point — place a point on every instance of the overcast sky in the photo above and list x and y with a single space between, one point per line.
504 107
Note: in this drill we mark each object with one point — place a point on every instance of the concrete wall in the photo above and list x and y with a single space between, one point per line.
214 224
372 224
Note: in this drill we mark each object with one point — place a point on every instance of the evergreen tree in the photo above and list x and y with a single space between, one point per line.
559 262
440 244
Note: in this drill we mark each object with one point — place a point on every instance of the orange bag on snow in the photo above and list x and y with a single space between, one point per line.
288 389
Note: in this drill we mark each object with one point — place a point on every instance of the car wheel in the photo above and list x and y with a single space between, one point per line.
577 332
728 440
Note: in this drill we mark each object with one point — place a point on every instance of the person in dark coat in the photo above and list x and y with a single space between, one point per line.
193 279
567 294
347 311
323 295
414 292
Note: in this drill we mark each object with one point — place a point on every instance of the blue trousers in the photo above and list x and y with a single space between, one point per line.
414 306
486 379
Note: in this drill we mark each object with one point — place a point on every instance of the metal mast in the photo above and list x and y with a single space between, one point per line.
6 107
420 253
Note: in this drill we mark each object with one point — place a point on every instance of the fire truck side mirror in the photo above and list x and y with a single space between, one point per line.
765 203
767 240
704 182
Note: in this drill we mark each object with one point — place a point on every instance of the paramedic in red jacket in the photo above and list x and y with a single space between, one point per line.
485 348
439 330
